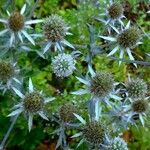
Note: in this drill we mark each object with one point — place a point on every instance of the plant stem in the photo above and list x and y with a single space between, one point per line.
33 9
8 132
14 4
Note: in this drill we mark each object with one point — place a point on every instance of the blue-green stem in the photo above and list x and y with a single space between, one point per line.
2 145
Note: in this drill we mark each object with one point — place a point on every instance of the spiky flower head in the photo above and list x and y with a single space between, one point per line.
118 144
94 133
33 102
54 28
115 11
66 112
139 106
16 25
6 71
63 65
129 37
16 21
102 84
136 88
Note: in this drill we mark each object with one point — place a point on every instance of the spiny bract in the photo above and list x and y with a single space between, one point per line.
16 21
6 71
54 28
102 84
33 102
94 133
115 10
129 37
136 88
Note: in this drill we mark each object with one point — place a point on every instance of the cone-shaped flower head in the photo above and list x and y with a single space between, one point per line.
33 102
102 84
6 71
66 112
115 11
140 106
54 28
8 75
129 37
136 88
94 133
16 21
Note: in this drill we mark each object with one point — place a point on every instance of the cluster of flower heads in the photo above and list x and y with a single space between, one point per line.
100 85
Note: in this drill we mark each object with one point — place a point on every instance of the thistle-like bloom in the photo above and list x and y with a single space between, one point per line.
100 85
118 144
55 30
63 65
31 103
114 13
66 112
17 25
140 108
8 75
136 88
125 41
64 119
94 132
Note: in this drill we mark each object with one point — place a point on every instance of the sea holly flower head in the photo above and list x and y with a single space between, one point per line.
115 10
114 14
129 37
94 133
136 88
66 112
8 75
138 108
16 25
118 144
31 103
55 29
125 40
63 65
100 85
